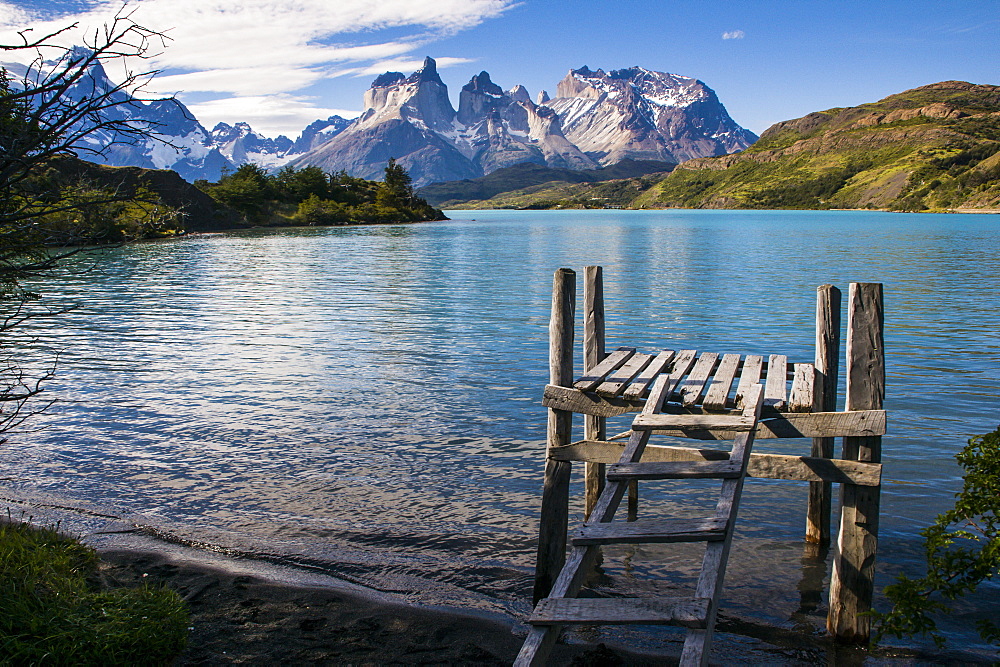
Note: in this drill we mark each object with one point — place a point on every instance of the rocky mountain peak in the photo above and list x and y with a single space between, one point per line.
519 94
543 97
428 72
481 83
480 98
655 116
388 79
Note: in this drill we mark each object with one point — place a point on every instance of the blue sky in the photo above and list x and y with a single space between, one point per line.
280 64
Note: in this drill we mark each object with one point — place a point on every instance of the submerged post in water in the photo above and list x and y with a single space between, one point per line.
852 582
594 428
554 518
825 400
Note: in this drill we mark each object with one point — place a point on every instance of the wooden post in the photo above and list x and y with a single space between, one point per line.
594 428
555 492
827 362
852 582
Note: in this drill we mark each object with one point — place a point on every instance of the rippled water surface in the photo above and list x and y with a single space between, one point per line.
366 399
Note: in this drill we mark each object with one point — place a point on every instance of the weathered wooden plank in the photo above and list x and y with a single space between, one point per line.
615 381
689 391
596 376
775 391
698 642
594 427
803 394
852 580
674 470
682 363
827 362
686 612
800 425
749 376
651 531
684 423
639 386
574 400
762 465
554 516
718 392
860 423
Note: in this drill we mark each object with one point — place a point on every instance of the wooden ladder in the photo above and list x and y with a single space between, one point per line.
697 613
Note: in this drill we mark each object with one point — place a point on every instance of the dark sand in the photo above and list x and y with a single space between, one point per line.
240 618
245 612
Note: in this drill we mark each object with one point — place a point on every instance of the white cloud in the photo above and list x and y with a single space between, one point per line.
259 48
734 34
400 66
270 115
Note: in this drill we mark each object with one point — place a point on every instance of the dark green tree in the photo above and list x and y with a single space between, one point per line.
397 187
962 548
297 185
249 190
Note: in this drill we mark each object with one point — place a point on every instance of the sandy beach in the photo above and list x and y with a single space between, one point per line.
244 614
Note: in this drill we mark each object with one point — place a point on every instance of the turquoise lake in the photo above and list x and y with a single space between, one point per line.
365 401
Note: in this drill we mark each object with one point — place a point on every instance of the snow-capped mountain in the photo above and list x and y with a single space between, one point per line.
596 119
177 140
645 115
240 144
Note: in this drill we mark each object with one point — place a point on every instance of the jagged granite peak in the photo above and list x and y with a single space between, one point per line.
519 94
427 73
482 83
644 114
543 97
479 98
421 98
388 79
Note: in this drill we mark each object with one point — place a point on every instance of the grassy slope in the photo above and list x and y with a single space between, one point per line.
527 183
931 148
560 194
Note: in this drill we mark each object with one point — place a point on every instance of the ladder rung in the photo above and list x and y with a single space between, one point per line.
651 531
687 612
674 470
644 422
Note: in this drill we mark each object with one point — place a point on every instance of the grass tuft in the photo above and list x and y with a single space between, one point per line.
52 612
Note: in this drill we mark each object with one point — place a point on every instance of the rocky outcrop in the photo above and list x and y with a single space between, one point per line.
646 115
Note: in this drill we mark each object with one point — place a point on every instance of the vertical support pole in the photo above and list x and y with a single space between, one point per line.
852 582
825 400
555 492
594 428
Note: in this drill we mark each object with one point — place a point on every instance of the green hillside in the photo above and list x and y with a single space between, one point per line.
532 183
936 147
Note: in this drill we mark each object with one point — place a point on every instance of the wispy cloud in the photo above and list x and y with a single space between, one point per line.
734 34
261 48
400 66
265 111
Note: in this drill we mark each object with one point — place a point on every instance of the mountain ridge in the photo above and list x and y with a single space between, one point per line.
642 115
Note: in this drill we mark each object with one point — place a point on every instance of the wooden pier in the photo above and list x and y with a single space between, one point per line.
705 396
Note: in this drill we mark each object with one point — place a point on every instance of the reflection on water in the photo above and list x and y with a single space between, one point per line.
367 398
